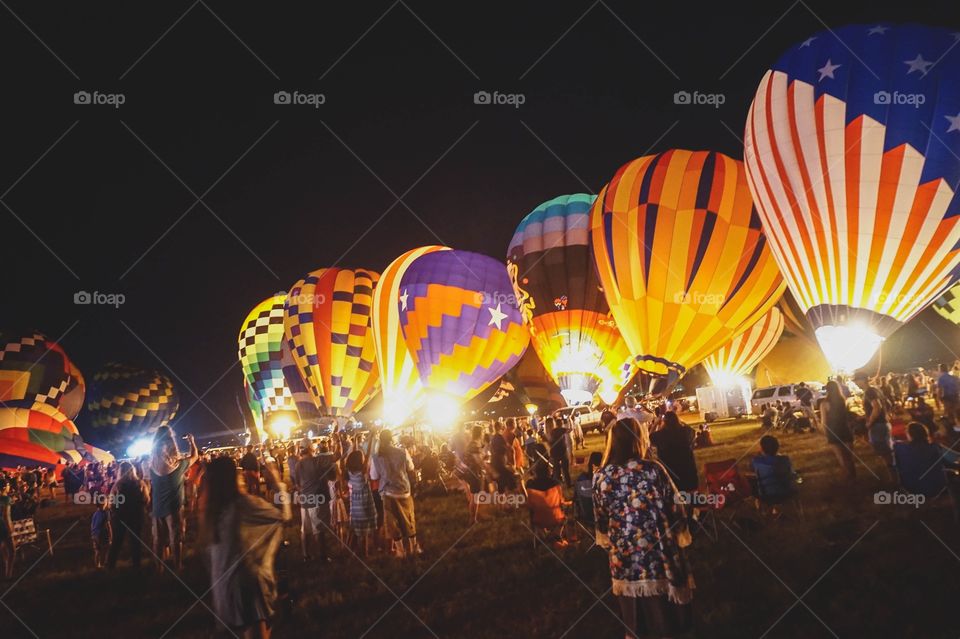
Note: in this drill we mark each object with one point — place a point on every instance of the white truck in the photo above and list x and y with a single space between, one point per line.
589 417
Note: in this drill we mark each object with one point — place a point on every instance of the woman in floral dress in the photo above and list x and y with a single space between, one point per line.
641 524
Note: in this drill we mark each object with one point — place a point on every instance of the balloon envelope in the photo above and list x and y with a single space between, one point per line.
948 304
571 328
40 424
851 146
328 327
261 356
126 402
32 369
400 383
76 393
738 357
681 257
460 320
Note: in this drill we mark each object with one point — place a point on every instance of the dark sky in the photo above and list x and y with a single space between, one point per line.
100 198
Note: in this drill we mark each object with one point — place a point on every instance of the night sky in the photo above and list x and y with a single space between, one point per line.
106 199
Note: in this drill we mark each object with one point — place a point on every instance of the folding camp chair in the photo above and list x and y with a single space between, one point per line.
25 534
726 490
770 495
547 518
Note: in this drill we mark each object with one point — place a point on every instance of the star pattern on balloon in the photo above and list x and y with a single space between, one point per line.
954 122
826 71
496 316
918 64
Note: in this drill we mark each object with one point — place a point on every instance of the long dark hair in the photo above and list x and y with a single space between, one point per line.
625 442
835 399
220 489
670 420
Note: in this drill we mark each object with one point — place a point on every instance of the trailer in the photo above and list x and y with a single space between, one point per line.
717 402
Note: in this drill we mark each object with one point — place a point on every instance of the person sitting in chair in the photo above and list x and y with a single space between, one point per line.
545 499
918 462
775 476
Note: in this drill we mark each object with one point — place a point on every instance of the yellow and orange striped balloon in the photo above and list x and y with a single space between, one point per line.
738 357
399 380
681 257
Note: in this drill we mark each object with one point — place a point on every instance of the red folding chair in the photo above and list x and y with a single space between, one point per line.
726 490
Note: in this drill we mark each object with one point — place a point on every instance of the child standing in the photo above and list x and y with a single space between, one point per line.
100 532
363 512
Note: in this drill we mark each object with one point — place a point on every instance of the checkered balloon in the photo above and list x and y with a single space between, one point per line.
33 369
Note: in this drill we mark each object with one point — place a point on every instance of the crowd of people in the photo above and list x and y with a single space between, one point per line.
354 491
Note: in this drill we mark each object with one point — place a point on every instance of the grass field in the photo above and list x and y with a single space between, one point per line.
849 568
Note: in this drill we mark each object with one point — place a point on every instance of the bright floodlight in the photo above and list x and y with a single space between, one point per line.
396 411
607 394
726 379
531 408
442 411
281 426
849 347
140 447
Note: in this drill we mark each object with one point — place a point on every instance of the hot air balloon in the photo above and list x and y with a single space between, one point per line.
571 329
32 369
75 394
399 381
40 424
681 257
16 452
328 328
126 402
738 357
461 324
851 146
302 399
261 354
947 305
